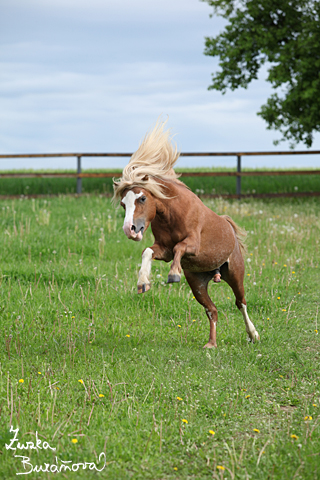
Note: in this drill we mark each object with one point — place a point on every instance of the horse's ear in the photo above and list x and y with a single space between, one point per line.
145 178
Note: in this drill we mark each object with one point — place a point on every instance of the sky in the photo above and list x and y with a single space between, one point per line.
94 76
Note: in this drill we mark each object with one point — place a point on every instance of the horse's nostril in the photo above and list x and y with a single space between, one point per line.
133 228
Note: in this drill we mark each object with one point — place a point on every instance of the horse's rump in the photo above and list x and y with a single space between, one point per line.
240 234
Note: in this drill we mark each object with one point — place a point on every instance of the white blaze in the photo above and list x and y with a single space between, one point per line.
130 203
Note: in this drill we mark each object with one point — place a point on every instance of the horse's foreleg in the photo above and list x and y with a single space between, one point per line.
199 286
150 253
190 246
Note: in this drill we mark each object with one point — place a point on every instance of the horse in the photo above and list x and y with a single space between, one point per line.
186 232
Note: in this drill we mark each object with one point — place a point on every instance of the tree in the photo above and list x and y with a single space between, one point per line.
284 35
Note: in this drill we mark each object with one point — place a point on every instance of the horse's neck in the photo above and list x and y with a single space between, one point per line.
165 206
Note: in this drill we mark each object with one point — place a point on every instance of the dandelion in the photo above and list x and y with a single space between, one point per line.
39 373
175 468
74 440
278 298
179 398
248 396
101 395
276 263
244 389
193 298
314 405
128 336
73 316
293 272
308 417
179 326
248 274
294 437
184 420
284 309
316 330
256 430
21 380
281 376
193 320
263 264
80 381
220 467
284 265
212 432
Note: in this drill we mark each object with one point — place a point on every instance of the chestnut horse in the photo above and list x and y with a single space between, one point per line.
185 230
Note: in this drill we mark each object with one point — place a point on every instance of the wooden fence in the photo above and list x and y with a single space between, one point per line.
239 173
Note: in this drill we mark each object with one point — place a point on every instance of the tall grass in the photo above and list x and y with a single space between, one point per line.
93 367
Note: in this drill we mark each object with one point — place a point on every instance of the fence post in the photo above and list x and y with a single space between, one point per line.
79 180
238 177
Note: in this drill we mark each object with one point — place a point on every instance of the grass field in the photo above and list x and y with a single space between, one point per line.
94 368
207 185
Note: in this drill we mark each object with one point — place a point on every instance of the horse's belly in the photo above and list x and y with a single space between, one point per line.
203 263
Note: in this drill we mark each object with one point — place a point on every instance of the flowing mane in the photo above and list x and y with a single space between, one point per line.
153 161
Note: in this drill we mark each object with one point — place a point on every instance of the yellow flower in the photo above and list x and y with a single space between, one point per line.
281 376
73 316
248 396
39 373
193 298
284 309
293 272
278 298
101 395
212 432
179 398
276 263
256 430
263 264
184 420
316 331
74 440
314 405
308 417
244 389
248 274
284 265
220 467
21 380
81 381
194 320
179 326
128 336
175 468
294 437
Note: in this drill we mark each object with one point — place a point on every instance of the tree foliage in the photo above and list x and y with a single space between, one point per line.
284 35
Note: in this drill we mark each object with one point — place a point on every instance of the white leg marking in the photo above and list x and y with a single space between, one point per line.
250 328
145 269
130 202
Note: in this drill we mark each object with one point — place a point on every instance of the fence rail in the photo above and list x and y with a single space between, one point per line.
239 173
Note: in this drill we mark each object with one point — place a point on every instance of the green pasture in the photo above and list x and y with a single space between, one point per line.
205 185
88 367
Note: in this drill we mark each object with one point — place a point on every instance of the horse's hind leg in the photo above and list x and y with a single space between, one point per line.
232 272
199 286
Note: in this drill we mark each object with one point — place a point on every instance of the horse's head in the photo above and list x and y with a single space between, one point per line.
140 210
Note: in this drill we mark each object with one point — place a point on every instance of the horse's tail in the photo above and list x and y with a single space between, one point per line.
240 234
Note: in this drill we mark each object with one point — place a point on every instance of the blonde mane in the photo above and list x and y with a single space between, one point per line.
153 161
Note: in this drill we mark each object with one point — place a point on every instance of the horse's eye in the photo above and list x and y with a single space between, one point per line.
143 199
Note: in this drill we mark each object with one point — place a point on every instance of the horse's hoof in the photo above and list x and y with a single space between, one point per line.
144 288
173 278
255 337
217 278
210 345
